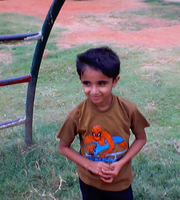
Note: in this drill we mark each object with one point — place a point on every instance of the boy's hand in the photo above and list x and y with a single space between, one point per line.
109 175
98 167
140 140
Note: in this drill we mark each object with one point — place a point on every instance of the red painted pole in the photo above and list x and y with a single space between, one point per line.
16 80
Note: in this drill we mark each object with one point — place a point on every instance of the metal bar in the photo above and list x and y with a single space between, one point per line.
39 50
35 37
12 37
13 123
15 80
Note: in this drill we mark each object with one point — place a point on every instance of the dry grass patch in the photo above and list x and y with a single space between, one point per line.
5 57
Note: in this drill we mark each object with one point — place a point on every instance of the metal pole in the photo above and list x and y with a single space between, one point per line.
15 80
46 29
22 36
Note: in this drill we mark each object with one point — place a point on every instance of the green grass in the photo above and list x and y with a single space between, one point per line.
162 2
149 77
13 20
157 14
144 18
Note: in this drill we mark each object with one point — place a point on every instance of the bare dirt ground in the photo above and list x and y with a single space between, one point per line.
77 18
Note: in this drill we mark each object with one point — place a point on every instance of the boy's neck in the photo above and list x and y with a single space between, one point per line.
104 106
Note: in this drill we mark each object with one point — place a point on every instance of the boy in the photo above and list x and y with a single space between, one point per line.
103 122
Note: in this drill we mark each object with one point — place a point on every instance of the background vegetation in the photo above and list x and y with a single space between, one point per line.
149 77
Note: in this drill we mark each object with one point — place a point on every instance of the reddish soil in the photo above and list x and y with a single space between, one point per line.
77 18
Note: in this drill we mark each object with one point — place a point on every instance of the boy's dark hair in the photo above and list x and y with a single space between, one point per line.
102 58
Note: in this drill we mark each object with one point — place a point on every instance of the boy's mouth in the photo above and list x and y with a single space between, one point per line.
95 97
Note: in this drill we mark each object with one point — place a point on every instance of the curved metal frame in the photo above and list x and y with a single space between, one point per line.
32 78
46 29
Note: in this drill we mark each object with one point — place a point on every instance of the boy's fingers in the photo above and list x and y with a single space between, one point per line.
107 180
104 168
105 176
107 171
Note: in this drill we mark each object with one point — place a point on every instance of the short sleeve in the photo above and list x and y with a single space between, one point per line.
68 130
138 121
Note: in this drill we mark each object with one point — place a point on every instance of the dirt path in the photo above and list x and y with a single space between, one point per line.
77 18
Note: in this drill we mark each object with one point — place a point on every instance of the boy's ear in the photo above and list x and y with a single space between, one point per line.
116 81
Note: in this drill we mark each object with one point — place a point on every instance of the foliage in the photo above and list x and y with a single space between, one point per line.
149 77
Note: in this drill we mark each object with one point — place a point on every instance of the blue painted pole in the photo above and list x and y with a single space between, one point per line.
22 36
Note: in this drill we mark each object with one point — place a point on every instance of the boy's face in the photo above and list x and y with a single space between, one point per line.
97 87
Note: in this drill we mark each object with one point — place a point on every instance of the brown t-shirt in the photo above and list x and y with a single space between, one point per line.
104 136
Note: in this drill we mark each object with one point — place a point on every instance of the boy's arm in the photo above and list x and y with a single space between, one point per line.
67 151
139 142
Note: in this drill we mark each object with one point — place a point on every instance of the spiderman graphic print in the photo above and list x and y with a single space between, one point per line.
100 145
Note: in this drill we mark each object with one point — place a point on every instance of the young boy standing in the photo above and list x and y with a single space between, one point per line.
103 122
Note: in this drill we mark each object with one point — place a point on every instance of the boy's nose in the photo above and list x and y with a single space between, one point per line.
94 90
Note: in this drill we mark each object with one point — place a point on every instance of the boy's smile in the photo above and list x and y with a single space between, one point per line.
97 87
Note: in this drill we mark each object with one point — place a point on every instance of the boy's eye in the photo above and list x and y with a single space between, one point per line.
86 83
102 83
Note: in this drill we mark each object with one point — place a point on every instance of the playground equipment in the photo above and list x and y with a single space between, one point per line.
31 78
